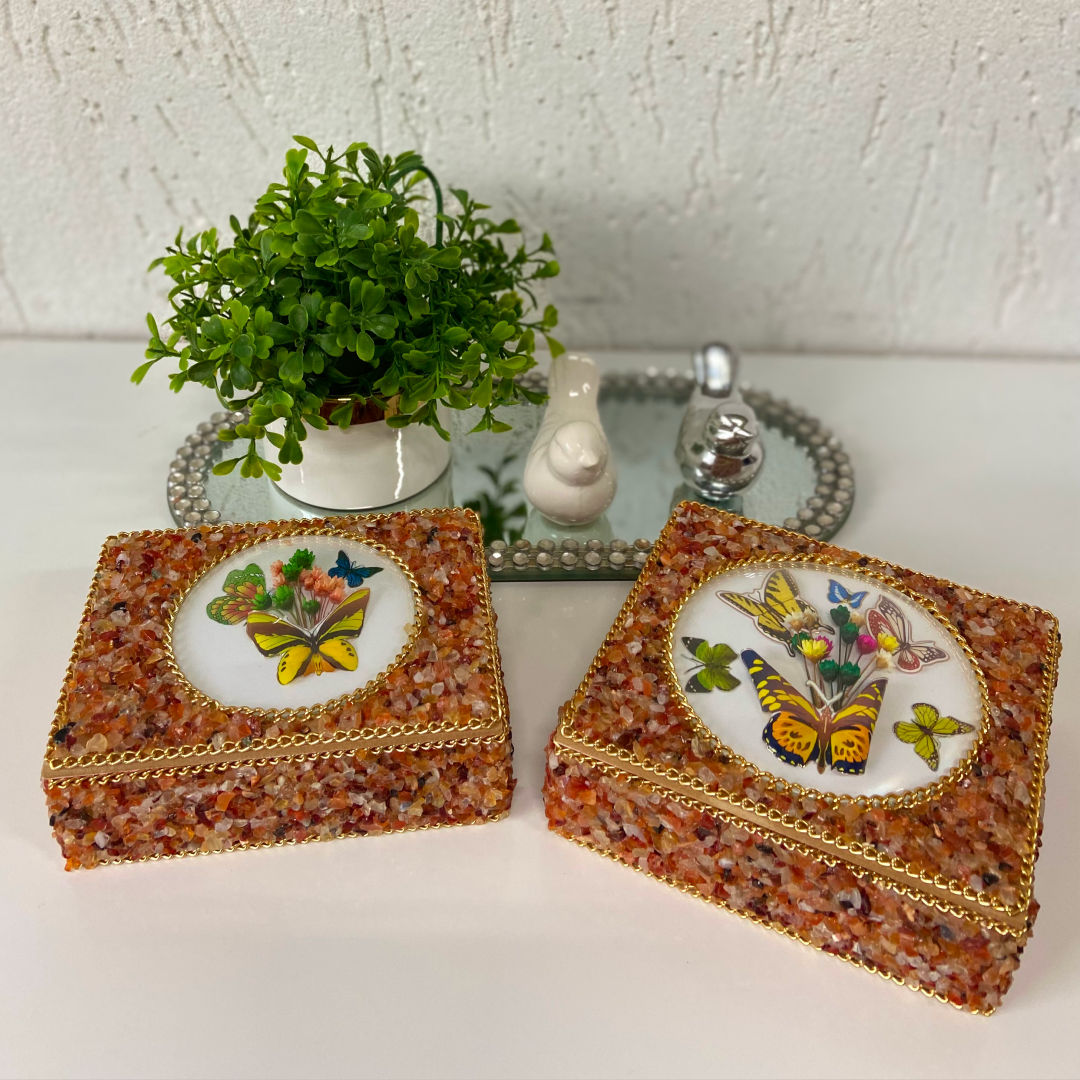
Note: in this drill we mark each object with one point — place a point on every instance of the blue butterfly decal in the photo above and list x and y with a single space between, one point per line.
352 573
839 595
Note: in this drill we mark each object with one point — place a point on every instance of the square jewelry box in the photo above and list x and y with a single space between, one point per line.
236 686
844 750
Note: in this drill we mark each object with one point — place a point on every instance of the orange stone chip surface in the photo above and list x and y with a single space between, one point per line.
139 765
935 893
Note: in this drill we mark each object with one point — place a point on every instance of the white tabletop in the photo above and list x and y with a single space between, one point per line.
505 950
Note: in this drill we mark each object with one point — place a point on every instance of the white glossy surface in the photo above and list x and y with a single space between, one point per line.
818 175
223 662
736 718
504 950
570 472
365 466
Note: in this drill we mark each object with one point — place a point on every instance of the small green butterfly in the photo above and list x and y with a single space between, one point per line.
929 726
713 662
245 592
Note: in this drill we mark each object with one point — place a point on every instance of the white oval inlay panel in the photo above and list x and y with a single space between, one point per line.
933 670
315 645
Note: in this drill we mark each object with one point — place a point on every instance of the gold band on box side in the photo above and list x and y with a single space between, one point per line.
786 931
784 831
399 740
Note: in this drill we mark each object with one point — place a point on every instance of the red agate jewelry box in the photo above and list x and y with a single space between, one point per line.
236 686
844 750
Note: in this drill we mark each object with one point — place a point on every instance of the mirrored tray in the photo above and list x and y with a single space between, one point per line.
807 483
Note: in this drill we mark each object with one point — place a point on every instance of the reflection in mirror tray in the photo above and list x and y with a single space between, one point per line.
807 484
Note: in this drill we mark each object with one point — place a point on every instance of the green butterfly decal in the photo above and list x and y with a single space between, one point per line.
713 662
245 591
929 726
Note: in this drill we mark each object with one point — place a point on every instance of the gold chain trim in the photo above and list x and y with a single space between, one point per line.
205 769
308 712
759 818
487 734
787 931
565 729
251 845
503 703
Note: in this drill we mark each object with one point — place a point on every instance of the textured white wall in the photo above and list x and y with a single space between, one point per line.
816 174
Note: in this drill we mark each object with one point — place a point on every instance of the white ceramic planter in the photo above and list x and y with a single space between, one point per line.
366 466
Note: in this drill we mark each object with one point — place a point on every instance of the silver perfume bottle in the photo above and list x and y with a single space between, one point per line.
719 450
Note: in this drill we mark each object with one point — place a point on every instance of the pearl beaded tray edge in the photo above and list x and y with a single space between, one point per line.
821 517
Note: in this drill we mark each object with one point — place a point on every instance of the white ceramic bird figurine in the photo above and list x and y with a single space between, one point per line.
569 474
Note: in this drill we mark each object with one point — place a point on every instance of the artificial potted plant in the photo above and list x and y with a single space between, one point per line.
343 332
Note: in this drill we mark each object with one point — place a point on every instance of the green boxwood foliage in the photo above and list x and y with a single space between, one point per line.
327 301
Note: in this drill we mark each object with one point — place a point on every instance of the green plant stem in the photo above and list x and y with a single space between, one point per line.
391 180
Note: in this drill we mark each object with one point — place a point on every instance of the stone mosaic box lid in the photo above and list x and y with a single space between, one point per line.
230 643
883 718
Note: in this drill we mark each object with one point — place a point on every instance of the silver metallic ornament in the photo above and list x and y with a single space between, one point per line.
719 450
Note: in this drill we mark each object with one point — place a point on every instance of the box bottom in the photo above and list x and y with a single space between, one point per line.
285 800
757 876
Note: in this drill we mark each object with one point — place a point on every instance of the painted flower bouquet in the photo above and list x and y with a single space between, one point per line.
846 662
305 616
859 656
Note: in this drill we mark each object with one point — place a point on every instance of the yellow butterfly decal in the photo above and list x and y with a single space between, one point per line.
929 726
799 732
303 652
779 600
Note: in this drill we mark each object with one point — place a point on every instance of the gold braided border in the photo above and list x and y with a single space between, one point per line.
487 735
243 845
890 800
786 931
807 849
55 768
303 712
252 845
565 728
